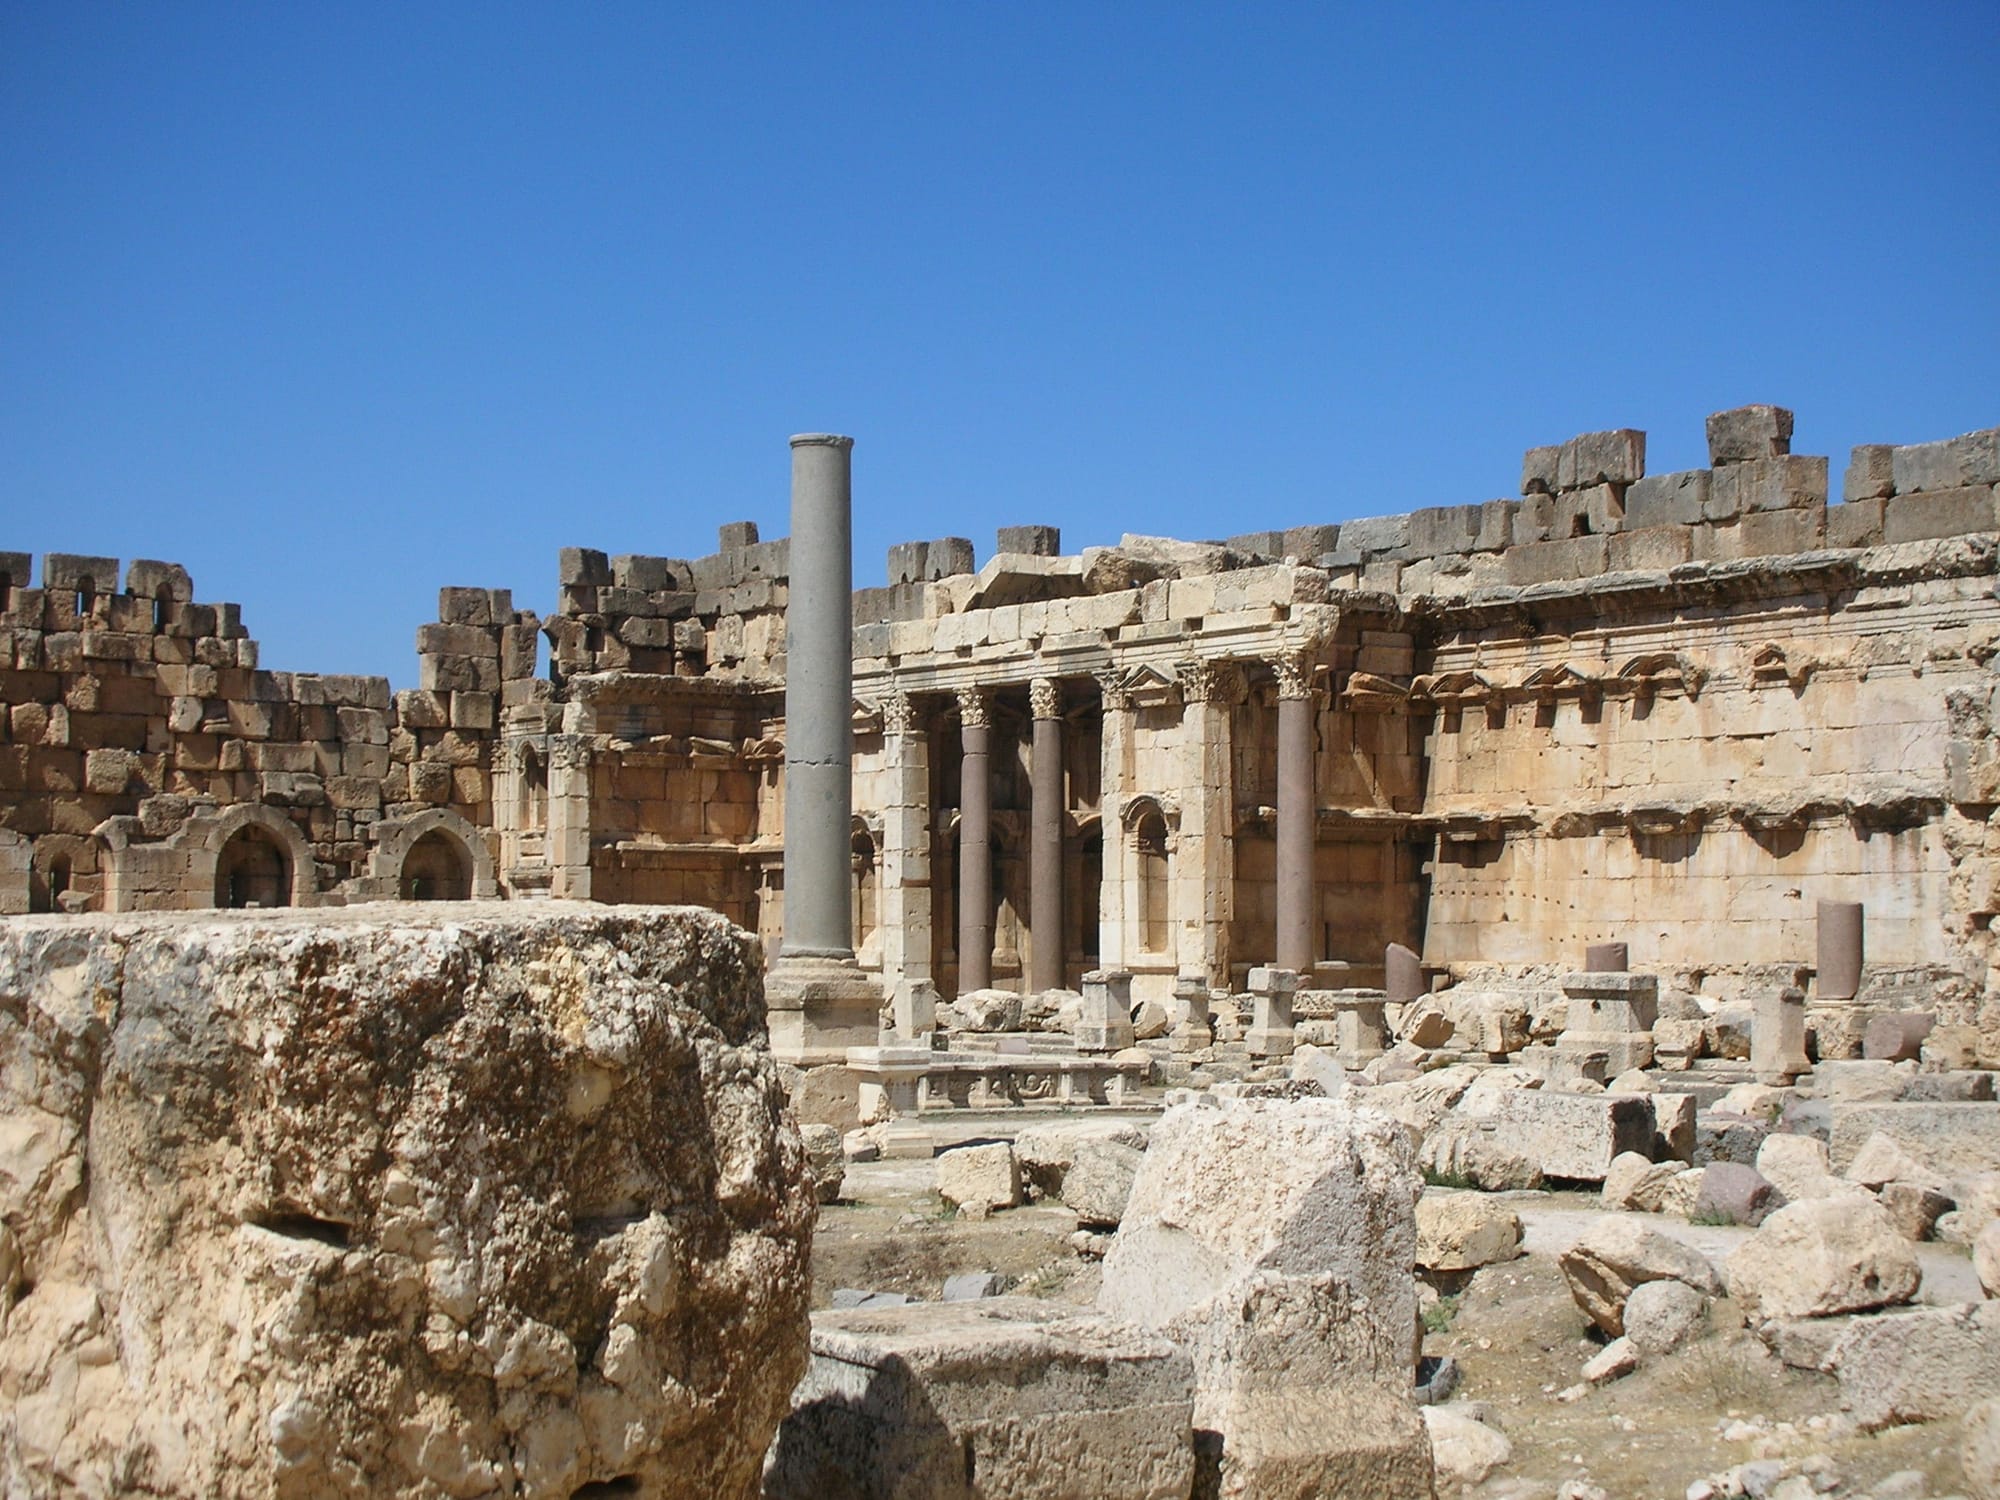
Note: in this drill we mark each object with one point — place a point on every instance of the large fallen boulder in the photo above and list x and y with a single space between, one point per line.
1047 1151
395 1201
1820 1257
1613 1255
1276 1241
1000 1396
1463 1231
1568 1135
1918 1366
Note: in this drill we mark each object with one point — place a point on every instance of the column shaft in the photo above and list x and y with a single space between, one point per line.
1298 813
819 696
975 852
1045 887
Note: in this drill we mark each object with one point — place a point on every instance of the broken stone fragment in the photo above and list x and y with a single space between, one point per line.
1827 1255
463 1198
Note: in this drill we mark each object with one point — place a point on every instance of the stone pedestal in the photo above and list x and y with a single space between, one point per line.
892 1092
1778 1036
1271 1031
817 1008
914 1007
1402 974
1187 1012
1612 1013
1106 1023
1360 1027
1840 951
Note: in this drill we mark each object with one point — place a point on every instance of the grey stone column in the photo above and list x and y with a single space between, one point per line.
818 1003
1298 816
1045 876
819 698
975 842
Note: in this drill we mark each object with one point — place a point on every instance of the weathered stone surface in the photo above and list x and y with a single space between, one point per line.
1099 1181
395 1200
1573 1136
828 1159
988 1010
1465 1448
1276 1241
979 1179
1731 1193
1951 1140
1466 1151
1749 433
1918 1366
1614 1361
1880 1161
1462 1231
1635 1182
1828 1255
1660 1316
1002 1396
1798 1167
1986 1259
1912 1209
1046 1152
1979 1450
1614 1255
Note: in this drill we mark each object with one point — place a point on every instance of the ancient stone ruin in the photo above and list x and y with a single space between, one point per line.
1323 928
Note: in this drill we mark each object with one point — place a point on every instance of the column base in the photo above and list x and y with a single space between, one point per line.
816 1008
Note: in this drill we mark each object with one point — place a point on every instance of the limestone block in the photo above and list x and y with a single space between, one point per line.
979 1178
430 1183
1462 1231
1613 1255
1986 1258
1953 512
1638 1183
583 567
827 1159
1862 1081
1979 1450
1674 1133
1275 1241
1376 536
1897 1037
1913 1209
1918 1366
1798 1167
998 1396
1951 1140
1616 457
1553 561
107 772
1732 1193
1572 1136
1667 500
1747 433
1823 1256
1654 550
1460 1149
1870 473
1541 470
1098 1181
1046 1152
1661 1316
1881 1161
1858 523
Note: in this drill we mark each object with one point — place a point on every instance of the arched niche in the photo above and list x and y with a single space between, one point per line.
434 855
251 855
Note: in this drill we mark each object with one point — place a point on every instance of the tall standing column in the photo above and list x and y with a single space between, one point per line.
1115 770
1298 816
906 846
975 842
819 695
1045 878
1204 865
818 1001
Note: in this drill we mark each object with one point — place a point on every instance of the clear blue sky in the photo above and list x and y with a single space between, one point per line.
338 303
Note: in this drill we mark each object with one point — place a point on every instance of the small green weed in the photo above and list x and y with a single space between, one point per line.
1438 1316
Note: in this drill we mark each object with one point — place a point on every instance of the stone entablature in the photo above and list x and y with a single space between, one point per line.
1677 710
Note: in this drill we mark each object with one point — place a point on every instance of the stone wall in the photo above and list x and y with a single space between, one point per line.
1675 709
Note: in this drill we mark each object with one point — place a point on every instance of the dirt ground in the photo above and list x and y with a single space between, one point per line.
1516 1334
